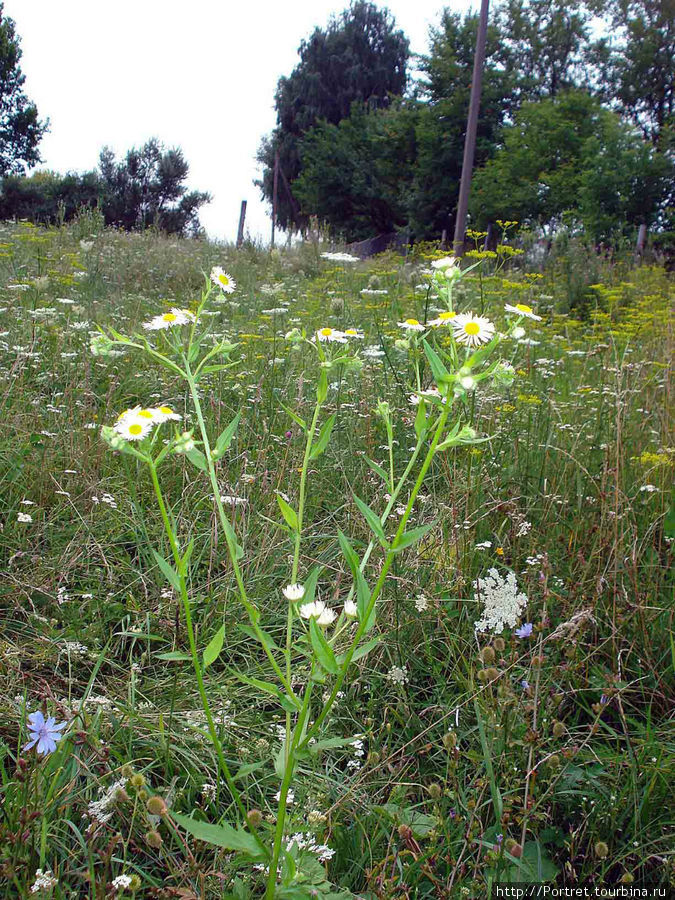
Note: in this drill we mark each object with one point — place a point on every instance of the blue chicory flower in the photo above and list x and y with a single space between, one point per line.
524 630
43 732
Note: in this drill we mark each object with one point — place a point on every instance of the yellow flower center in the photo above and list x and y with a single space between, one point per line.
326 332
145 414
135 428
169 317
523 307
223 279
350 331
472 328
166 410
411 322
447 315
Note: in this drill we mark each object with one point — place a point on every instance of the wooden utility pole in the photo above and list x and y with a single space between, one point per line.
240 230
275 191
472 125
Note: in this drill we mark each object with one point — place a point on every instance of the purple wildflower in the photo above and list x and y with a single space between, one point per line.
525 630
499 838
525 684
44 733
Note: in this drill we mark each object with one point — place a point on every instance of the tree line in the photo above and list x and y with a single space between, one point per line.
576 121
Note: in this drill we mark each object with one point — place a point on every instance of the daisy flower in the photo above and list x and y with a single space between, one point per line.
132 426
164 414
351 610
522 309
222 280
43 732
472 330
354 333
444 318
332 335
448 262
319 611
294 592
412 325
168 320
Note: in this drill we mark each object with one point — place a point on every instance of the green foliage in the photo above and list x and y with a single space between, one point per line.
360 57
20 128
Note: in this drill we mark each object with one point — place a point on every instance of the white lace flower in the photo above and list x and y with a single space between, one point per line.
293 592
503 602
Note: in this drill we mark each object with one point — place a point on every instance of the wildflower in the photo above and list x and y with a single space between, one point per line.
319 611
121 882
398 675
524 631
412 325
485 545
648 488
468 383
44 881
518 332
44 733
332 335
293 592
502 600
421 603
24 518
522 309
351 610
169 319
133 426
499 551
222 280
162 414
448 262
472 330
444 318
354 333
340 257
185 443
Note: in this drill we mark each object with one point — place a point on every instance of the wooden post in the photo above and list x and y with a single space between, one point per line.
275 191
641 241
240 230
444 238
472 125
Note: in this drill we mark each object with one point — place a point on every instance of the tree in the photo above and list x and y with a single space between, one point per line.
446 86
640 65
569 154
20 128
147 188
355 175
547 42
47 197
359 57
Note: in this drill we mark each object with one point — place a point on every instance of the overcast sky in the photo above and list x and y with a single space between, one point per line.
199 74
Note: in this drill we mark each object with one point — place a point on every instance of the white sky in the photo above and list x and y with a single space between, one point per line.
199 74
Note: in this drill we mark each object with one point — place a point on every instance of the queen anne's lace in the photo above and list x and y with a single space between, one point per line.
502 600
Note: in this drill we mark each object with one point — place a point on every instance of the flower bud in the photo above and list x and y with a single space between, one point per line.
499 644
558 729
156 806
254 818
153 839
435 791
601 850
487 655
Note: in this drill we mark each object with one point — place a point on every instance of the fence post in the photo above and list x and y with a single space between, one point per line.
275 191
240 230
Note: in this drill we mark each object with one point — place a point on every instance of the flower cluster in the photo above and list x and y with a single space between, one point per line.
503 602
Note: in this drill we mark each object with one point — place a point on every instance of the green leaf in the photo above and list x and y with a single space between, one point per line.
232 537
438 370
168 571
372 519
377 469
349 552
411 537
225 437
324 437
224 836
322 648
364 649
310 584
174 655
182 568
214 646
322 387
197 459
363 600
297 419
262 637
421 418
288 512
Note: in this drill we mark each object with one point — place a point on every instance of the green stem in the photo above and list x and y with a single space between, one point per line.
440 427
227 529
193 645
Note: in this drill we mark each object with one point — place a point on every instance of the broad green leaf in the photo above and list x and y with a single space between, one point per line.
322 648
186 557
421 418
322 387
377 469
349 552
225 437
232 537
263 636
168 571
224 836
288 512
197 459
363 600
324 437
365 649
372 519
214 646
438 370
411 537
296 418
310 584
174 655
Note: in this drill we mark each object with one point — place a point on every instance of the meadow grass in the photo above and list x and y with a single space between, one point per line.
477 758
